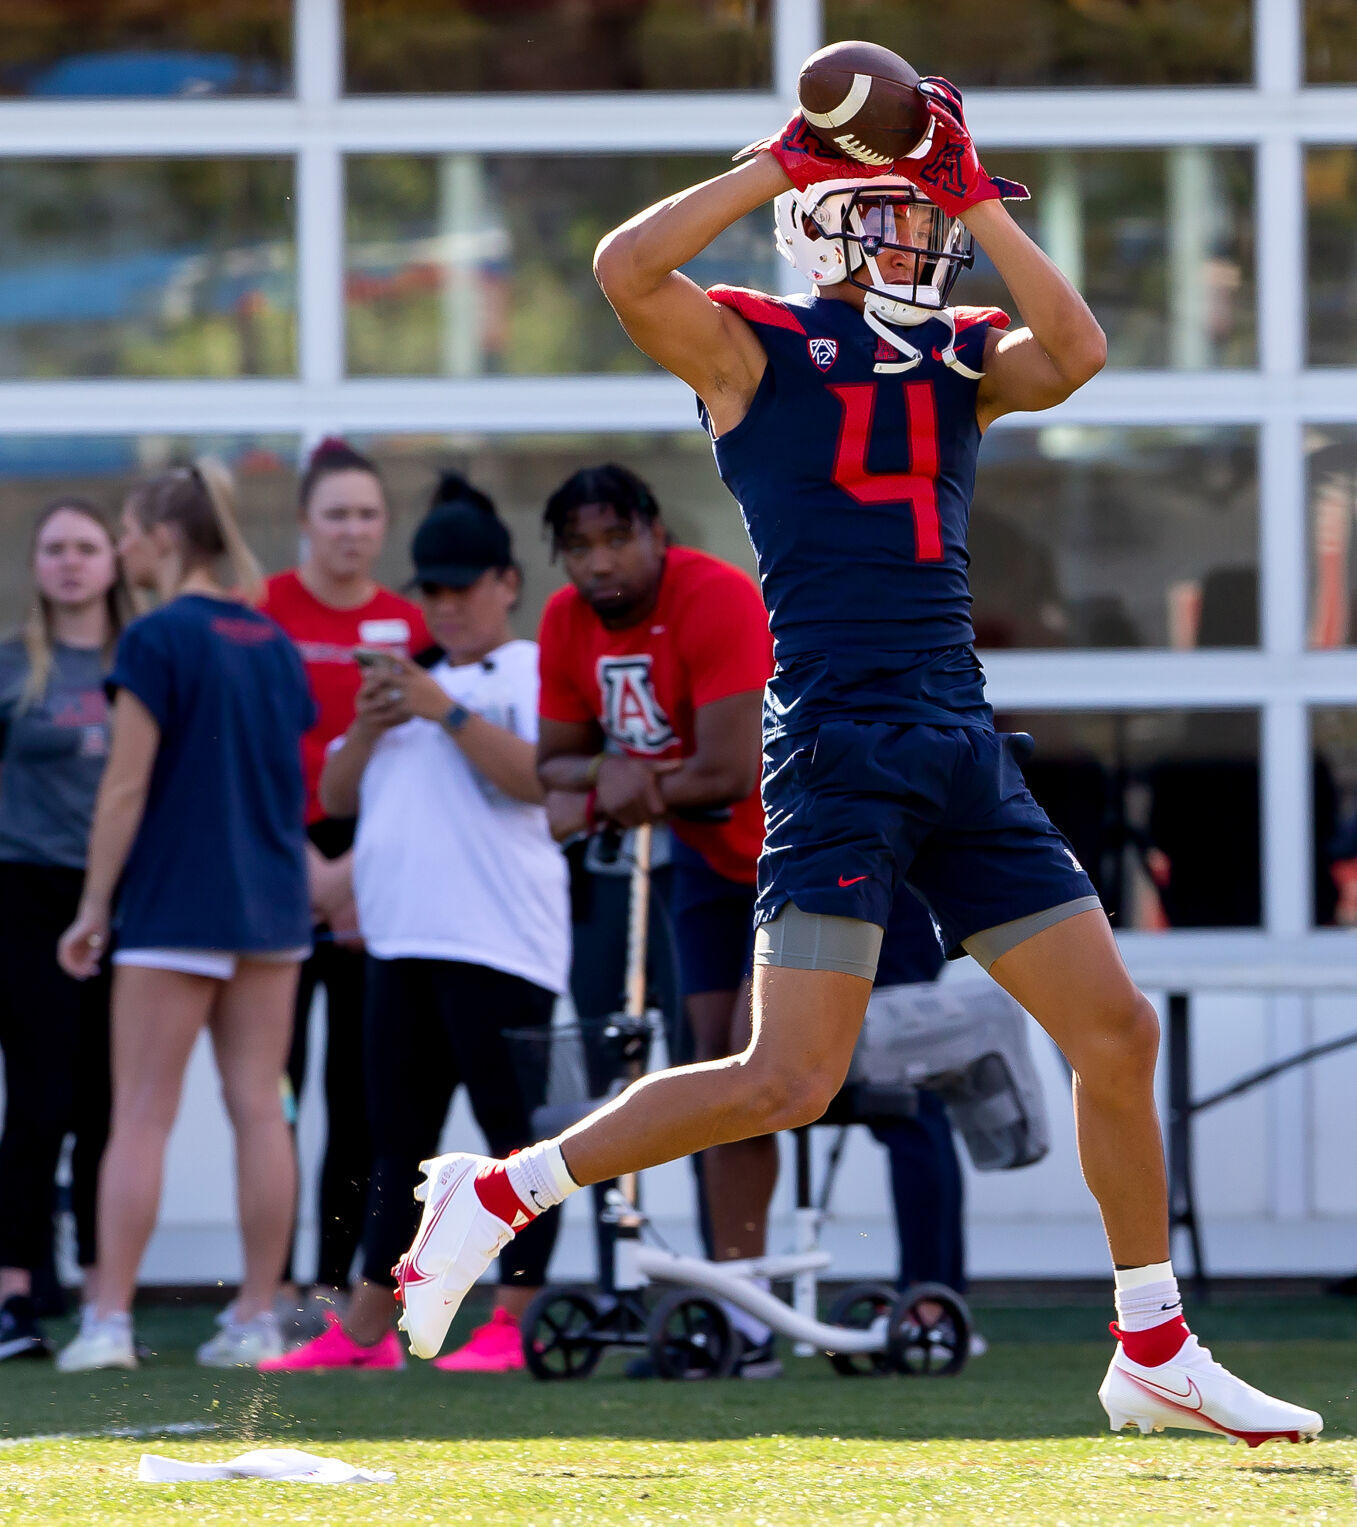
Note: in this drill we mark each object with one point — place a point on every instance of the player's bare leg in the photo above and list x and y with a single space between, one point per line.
739 1176
1071 979
805 1026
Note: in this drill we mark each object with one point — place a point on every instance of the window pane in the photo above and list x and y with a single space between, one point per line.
1330 42
1333 741
145 48
1059 42
440 46
136 267
1094 537
521 471
1331 490
464 264
36 469
1160 242
1161 808
1331 203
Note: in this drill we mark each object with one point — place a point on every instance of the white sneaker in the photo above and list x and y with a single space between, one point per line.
457 1240
1194 1392
100 1344
242 1345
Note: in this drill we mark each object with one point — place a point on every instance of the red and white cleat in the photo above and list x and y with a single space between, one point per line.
457 1240
1194 1392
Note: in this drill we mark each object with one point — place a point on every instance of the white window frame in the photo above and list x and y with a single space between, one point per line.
317 126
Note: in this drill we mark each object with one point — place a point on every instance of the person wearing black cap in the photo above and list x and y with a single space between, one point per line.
462 905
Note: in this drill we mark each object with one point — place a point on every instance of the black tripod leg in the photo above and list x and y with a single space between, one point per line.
1182 1201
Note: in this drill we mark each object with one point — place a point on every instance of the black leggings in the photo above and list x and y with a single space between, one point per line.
430 1026
348 1148
54 1035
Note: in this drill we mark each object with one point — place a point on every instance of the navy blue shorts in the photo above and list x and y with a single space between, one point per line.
713 924
859 806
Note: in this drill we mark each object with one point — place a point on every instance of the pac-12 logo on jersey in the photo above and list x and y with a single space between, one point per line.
824 352
632 715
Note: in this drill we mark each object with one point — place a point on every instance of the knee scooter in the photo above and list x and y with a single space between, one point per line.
870 1329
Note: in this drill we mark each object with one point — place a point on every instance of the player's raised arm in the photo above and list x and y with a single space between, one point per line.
1061 346
670 317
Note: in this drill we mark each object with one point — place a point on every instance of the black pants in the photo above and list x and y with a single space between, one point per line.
926 1189
347 1160
54 1035
430 1026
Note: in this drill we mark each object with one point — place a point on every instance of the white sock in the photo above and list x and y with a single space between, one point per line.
1146 1296
539 1176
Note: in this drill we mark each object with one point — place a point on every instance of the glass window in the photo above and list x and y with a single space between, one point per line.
1330 42
1331 229
149 268
1161 808
1114 537
1331 490
1060 42
521 471
463 264
438 46
1333 740
1160 242
36 469
146 48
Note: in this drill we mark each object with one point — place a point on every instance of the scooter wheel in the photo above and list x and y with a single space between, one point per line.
691 1337
930 1331
859 1308
559 1339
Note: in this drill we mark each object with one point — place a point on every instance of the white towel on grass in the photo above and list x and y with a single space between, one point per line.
280 1463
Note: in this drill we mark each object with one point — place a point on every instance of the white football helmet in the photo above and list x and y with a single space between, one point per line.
839 230
845 230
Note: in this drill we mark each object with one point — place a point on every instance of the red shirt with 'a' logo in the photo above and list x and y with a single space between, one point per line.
705 640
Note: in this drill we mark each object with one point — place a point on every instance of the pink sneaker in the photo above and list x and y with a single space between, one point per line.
495 1347
335 1348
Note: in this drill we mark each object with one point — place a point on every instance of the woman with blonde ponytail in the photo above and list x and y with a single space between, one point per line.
198 827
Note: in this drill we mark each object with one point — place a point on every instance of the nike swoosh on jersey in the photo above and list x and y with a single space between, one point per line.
853 881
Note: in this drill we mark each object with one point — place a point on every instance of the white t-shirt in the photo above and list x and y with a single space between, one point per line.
448 867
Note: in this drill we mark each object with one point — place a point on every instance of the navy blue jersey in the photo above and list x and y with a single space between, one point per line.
855 485
219 860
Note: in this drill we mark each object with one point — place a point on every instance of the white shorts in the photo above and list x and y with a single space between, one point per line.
219 964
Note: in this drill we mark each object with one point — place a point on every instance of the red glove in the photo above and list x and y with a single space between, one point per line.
807 161
950 173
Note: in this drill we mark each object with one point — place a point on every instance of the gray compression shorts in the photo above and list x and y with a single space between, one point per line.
797 940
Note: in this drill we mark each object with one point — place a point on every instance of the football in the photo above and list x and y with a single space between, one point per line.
862 100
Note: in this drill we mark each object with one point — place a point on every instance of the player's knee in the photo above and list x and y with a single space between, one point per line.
785 1097
1125 1047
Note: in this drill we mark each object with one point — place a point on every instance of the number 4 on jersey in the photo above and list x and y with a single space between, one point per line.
918 486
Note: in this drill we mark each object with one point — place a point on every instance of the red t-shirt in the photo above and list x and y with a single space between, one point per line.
326 637
705 640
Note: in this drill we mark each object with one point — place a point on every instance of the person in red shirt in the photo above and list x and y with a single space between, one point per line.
653 662
329 605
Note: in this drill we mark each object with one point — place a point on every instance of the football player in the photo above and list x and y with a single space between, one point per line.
847 424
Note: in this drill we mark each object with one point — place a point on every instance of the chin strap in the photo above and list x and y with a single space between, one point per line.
910 354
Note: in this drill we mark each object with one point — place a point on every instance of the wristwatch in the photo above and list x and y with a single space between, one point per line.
457 717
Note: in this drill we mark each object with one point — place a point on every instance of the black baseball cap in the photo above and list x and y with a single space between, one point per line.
456 543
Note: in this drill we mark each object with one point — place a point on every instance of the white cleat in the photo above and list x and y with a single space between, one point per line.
457 1240
1192 1391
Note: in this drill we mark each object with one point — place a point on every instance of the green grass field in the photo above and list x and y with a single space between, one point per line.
1017 1438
